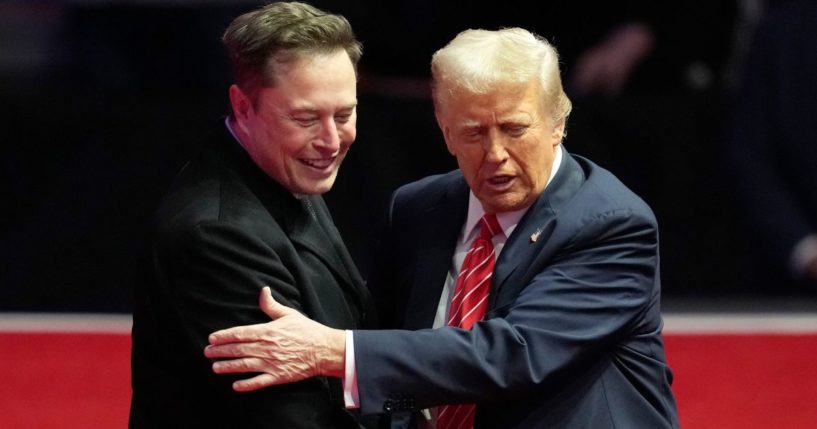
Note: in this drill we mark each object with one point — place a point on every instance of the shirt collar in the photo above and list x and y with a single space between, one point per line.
507 220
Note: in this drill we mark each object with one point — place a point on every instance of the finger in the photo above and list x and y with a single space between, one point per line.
238 334
238 365
255 383
231 350
270 306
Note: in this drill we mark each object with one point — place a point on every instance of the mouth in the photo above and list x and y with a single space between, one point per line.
499 183
500 180
321 164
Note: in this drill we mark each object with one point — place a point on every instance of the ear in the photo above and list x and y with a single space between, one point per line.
558 132
445 130
241 104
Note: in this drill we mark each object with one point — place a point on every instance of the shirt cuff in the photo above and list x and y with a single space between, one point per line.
351 399
803 254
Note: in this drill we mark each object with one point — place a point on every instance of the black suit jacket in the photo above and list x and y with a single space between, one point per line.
572 337
223 232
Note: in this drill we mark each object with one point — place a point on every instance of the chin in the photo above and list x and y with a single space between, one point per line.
317 188
507 204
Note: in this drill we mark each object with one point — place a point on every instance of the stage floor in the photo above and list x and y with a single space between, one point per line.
753 368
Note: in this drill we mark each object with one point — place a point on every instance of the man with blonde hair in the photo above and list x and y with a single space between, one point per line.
537 269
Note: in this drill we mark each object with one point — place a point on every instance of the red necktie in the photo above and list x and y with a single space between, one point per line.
468 307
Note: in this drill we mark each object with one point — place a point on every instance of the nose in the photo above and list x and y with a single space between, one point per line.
329 137
495 147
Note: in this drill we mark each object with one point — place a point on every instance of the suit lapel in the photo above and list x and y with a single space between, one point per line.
345 265
530 238
437 239
318 236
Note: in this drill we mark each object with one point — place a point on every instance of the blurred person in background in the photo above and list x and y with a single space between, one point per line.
773 149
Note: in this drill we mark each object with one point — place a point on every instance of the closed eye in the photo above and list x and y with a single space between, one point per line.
305 121
472 133
514 130
342 119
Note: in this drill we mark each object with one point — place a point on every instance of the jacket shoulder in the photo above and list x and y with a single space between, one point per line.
208 192
603 193
428 191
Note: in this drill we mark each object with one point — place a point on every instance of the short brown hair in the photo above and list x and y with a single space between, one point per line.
280 33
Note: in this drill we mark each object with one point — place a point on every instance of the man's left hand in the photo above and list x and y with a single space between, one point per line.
288 349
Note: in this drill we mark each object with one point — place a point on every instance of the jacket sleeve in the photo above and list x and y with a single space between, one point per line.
211 277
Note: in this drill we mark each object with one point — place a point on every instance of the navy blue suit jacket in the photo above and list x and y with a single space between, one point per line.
572 337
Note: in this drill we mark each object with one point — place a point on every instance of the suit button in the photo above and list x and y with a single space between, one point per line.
388 405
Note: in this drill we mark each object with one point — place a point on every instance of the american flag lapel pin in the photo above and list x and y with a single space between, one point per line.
535 235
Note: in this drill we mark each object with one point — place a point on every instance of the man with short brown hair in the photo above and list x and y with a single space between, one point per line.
247 213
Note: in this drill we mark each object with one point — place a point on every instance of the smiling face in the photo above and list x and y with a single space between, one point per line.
504 142
299 130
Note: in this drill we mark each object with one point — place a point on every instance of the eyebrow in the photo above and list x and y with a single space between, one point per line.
349 106
470 124
313 109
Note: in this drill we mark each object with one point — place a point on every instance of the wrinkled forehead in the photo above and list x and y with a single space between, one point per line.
502 96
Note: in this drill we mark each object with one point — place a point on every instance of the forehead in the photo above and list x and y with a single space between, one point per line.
312 82
501 101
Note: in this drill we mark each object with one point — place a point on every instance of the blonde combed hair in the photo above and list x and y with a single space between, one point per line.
477 61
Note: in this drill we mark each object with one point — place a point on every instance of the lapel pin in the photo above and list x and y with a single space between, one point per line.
535 235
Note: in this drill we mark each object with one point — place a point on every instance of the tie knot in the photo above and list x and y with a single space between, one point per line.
489 226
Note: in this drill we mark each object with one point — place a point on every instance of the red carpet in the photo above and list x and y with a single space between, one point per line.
745 381
64 381
722 381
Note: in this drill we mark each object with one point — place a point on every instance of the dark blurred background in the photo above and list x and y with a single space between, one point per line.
101 103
